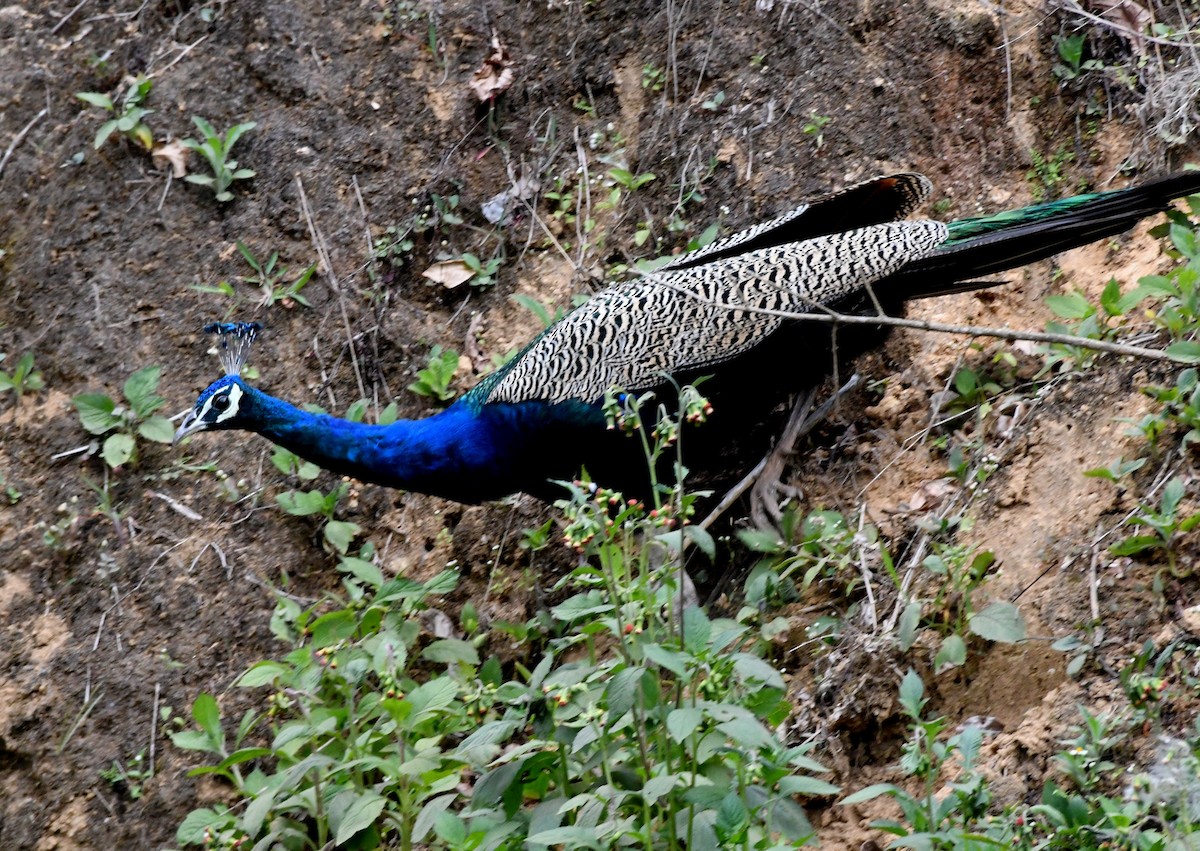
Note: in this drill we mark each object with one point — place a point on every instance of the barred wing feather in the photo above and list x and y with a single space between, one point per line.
681 320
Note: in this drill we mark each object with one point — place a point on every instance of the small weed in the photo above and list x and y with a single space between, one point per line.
1047 175
713 103
933 819
127 117
630 181
653 77
23 379
434 380
483 273
1116 471
273 282
101 415
821 548
130 776
1084 319
958 573
815 127
1070 52
338 534
216 150
1166 522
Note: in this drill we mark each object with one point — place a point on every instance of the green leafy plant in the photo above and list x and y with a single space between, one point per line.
820 547
23 379
338 534
483 273
956 820
101 416
216 149
1084 319
1166 523
127 116
1070 53
129 776
630 181
1047 175
435 379
815 127
958 573
653 77
273 282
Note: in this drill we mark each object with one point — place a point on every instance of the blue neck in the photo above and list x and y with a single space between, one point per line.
466 453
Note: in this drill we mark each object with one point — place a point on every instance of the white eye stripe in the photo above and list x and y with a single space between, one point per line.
234 393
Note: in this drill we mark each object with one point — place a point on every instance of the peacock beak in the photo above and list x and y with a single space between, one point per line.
190 425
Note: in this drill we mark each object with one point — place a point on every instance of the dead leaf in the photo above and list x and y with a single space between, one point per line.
438 624
495 75
449 273
496 208
175 155
932 494
1132 18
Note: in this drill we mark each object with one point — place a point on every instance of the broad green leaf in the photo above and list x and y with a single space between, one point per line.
622 689
208 716
912 692
353 811
362 570
682 722
96 412
1071 306
672 660
450 829
805 785
910 620
656 787
192 740
158 429
301 503
580 606
951 654
870 793
333 627
96 99
118 449
340 534
450 650
1185 351
433 808
1000 622
488 736
198 822
750 667
430 697
1135 544
761 541
141 391
262 674
748 733
702 539
697 630
257 811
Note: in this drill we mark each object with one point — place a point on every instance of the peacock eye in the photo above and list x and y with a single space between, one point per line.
221 401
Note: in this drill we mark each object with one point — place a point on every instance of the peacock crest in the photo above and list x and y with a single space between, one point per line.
235 341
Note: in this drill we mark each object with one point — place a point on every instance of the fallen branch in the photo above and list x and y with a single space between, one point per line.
832 317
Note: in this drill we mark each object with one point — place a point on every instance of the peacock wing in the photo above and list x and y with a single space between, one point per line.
680 320
872 202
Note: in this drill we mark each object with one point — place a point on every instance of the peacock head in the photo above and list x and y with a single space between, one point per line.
221 406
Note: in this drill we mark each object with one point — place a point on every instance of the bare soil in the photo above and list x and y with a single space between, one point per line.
359 123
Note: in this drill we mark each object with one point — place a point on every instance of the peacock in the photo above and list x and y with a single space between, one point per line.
720 312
